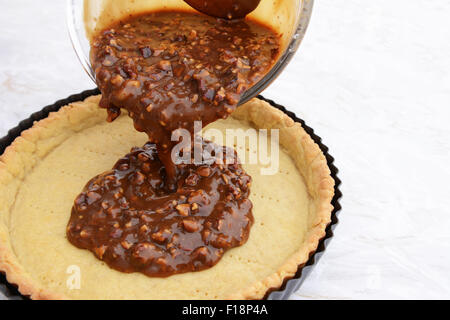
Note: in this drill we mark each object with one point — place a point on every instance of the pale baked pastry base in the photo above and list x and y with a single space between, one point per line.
45 168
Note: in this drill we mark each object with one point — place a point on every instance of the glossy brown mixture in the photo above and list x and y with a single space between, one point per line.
169 69
127 219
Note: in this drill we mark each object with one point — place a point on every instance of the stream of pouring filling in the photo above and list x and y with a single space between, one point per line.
169 70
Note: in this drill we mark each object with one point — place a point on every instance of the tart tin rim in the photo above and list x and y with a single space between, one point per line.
10 292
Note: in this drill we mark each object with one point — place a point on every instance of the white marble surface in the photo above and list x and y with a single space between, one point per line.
372 78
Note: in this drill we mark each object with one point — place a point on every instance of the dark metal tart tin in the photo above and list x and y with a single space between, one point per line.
9 291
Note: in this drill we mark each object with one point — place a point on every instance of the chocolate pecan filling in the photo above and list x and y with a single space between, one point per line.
127 219
169 69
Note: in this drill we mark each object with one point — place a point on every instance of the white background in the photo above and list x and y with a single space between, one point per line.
372 78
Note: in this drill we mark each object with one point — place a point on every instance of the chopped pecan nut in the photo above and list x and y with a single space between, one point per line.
183 209
100 251
204 171
190 225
